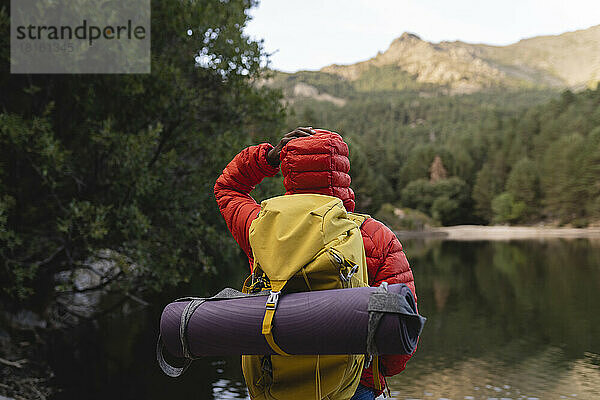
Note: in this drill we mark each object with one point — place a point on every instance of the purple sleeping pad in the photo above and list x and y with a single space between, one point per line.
320 322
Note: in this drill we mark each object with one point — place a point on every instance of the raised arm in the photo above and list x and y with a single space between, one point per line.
240 176
233 187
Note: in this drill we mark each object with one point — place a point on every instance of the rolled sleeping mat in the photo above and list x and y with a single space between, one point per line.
366 320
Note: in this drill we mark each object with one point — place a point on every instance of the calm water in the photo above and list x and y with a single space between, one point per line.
506 320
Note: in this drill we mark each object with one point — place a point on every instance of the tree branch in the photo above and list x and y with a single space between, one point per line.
16 364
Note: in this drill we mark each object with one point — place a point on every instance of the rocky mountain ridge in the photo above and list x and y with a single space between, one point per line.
570 60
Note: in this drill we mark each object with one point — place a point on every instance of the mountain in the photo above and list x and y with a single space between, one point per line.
570 60
515 145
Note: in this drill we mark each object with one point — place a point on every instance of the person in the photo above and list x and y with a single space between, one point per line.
313 161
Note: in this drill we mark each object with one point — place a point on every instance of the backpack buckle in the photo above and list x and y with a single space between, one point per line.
272 300
336 257
352 269
344 278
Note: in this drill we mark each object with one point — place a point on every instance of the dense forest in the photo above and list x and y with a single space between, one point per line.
113 174
110 177
107 204
498 156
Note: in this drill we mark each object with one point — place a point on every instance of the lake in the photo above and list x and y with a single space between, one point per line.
506 320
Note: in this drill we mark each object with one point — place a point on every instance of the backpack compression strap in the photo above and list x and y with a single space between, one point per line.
267 327
271 306
186 315
376 381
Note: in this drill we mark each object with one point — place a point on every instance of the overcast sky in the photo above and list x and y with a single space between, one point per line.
311 34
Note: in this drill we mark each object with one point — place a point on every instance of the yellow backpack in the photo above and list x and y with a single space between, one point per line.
303 242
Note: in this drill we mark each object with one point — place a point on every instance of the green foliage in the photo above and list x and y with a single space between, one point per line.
506 208
488 184
523 185
446 210
540 146
564 180
419 194
386 78
127 163
445 200
324 82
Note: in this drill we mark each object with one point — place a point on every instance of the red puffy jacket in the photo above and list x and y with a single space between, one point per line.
316 164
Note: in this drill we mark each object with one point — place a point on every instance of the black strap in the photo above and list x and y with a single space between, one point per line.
167 368
186 315
382 302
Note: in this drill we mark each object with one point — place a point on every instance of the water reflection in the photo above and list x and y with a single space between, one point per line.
506 320
226 389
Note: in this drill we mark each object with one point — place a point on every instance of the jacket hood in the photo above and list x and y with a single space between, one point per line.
318 164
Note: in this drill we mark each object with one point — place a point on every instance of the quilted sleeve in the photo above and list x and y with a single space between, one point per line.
386 260
394 267
233 187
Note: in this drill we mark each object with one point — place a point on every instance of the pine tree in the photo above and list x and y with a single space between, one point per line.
523 185
437 171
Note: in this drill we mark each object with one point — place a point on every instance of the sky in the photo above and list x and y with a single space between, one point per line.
310 34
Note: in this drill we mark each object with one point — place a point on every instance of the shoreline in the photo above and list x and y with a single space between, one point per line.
499 232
